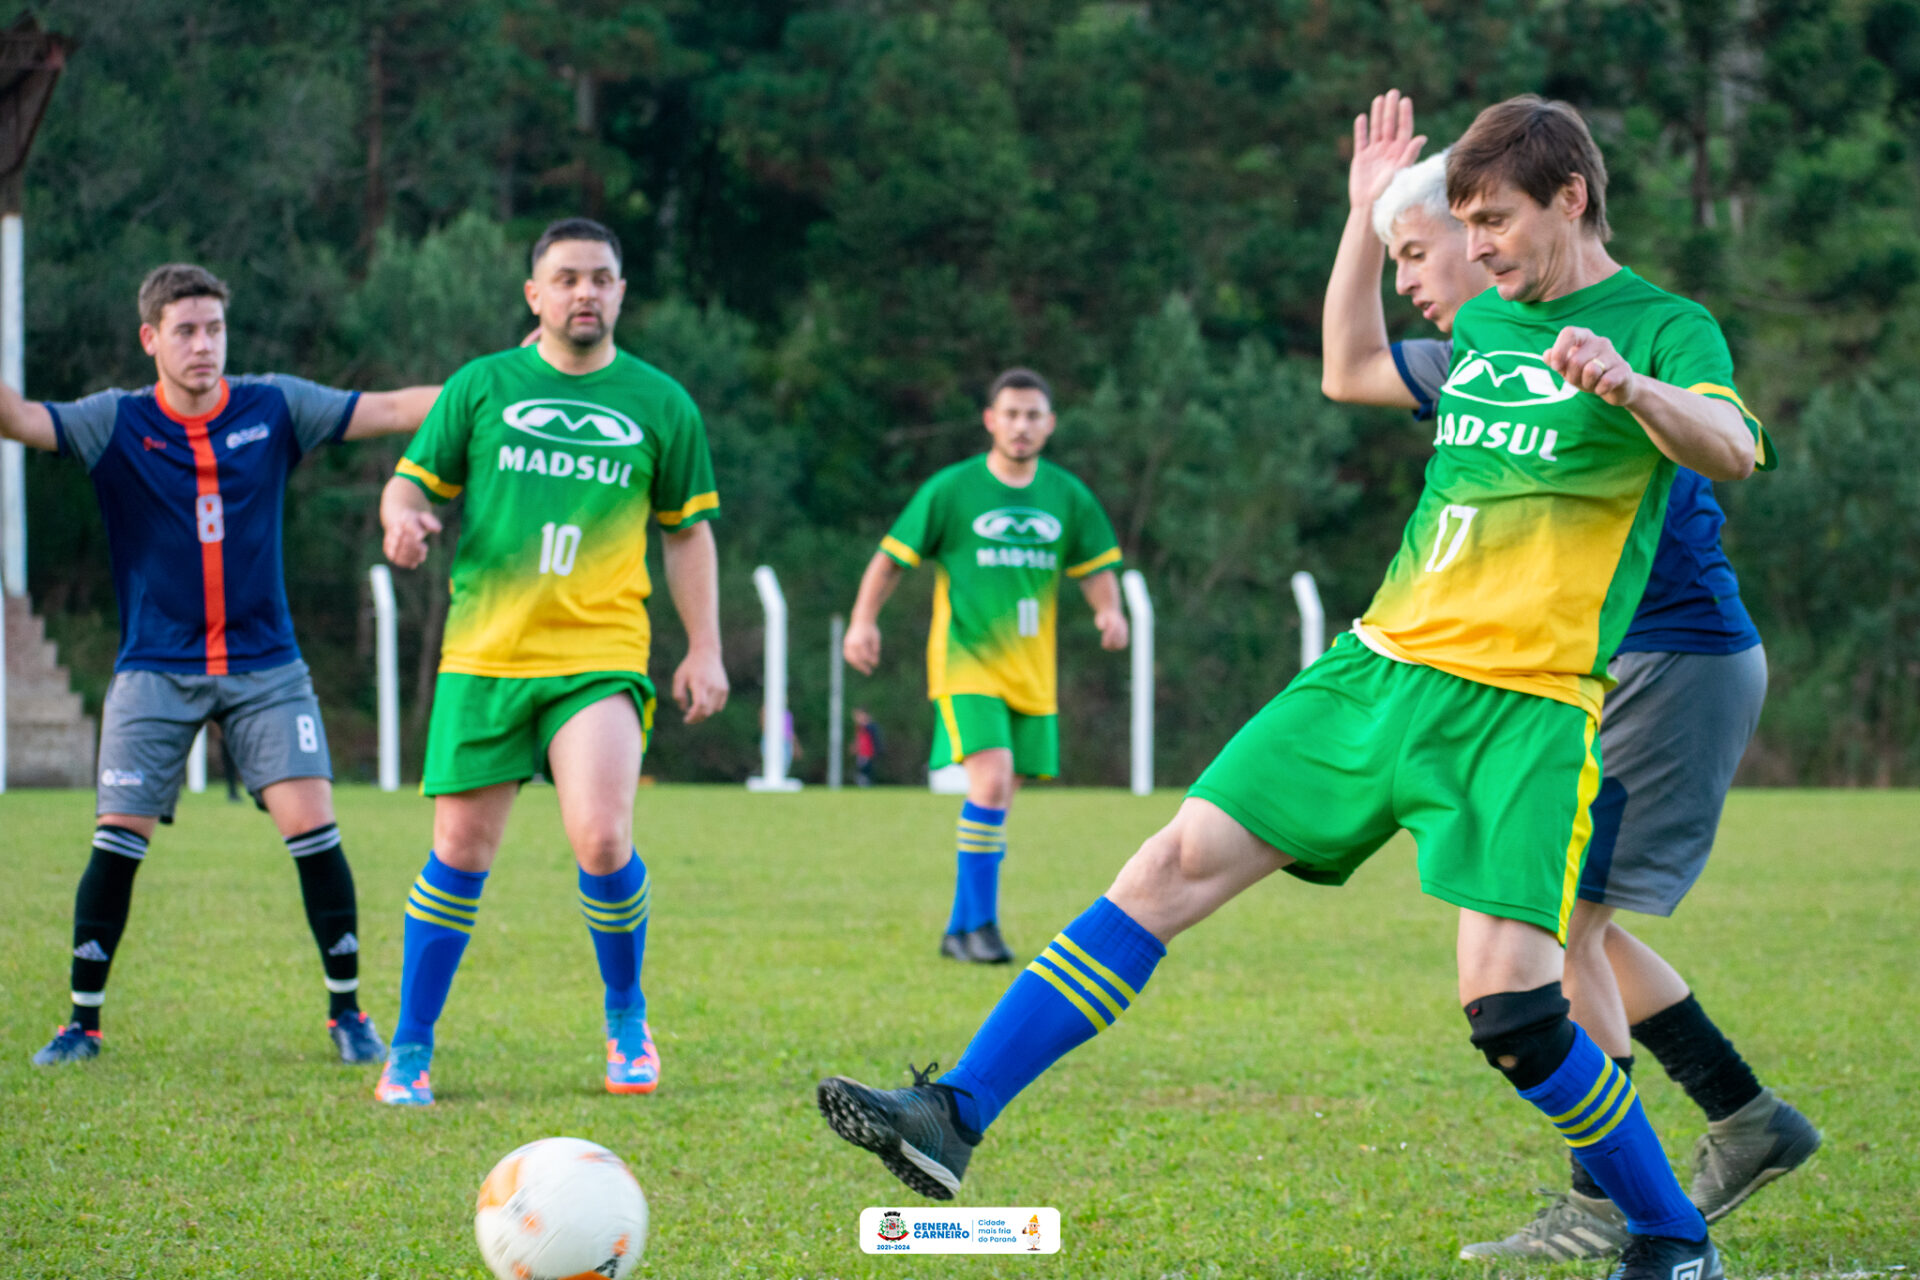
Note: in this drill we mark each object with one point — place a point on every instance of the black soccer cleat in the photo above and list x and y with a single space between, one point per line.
977 946
1665 1258
986 946
915 1131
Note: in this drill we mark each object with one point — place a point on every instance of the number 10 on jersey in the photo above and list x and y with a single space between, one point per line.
559 544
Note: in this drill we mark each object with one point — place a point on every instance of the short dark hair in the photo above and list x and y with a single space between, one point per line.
574 229
174 281
1536 145
1019 380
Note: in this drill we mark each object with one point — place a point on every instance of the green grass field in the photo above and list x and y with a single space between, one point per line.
1294 1095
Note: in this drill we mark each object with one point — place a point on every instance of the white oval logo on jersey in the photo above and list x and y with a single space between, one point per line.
1511 378
573 422
1022 526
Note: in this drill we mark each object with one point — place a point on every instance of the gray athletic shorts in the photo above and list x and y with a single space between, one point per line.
1671 734
270 718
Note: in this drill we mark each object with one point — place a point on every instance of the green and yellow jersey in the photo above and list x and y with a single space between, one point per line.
560 472
1531 544
1000 552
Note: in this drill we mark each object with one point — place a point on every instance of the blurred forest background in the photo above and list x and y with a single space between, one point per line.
843 217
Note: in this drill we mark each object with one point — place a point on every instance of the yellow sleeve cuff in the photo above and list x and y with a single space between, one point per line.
900 551
691 508
1763 454
1111 556
432 483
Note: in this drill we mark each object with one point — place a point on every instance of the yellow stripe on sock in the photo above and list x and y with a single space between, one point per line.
1092 988
981 846
428 904
624 902
1098 1024
431 892
593 912
442 921
1613 1120
1600 1083
1099 968
1584 1125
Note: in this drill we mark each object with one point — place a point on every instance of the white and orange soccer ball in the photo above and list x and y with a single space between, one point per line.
561 1209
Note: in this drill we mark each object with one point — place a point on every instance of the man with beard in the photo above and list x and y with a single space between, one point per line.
1001 529
564 448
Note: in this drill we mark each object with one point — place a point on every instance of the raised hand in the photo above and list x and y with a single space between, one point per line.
1383 145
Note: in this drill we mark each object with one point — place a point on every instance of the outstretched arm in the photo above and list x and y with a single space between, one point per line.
1698 432
407 518
862 645
693 580
1357 363
26 421
385 413
1102 591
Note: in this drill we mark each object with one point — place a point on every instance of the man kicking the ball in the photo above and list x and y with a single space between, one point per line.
1463 706
564 448
1690 674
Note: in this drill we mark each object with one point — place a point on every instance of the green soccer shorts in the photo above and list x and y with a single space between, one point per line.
488 729
1493 784
964 723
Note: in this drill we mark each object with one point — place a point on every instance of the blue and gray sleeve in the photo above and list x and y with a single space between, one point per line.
1423 364
84 427
320 414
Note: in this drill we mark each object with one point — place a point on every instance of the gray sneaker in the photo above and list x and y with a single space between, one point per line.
1737 1156
1571 1228
915 1131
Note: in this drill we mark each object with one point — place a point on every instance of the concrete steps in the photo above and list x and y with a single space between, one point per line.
50 737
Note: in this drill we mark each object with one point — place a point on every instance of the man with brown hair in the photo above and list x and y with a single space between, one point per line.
191 475
1463 707
1691 677
1002 529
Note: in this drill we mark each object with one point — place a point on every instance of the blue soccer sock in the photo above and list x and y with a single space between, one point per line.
982 837
616 910
441 908
1086 978
1592 1102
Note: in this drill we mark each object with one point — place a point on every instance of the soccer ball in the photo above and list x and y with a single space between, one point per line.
561 1209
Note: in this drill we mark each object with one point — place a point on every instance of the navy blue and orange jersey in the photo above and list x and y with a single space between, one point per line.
193 514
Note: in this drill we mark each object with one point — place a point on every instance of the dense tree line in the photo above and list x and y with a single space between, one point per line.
843 217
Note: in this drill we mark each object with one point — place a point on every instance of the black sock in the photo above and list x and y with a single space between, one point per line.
1582 1180
1699 1058
326 885
100 909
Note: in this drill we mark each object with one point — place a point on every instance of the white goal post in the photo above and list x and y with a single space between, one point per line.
1140 610
386 673
1313 618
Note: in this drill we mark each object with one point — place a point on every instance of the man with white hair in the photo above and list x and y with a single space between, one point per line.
1691 676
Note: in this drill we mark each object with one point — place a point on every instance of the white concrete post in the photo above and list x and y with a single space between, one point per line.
1313 619
13 455
1140 610
13 349
386 674
197 762
836 703
773 710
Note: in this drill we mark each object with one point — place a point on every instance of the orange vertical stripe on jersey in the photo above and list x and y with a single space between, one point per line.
213 564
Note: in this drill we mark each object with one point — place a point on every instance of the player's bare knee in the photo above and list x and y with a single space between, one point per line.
601 848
